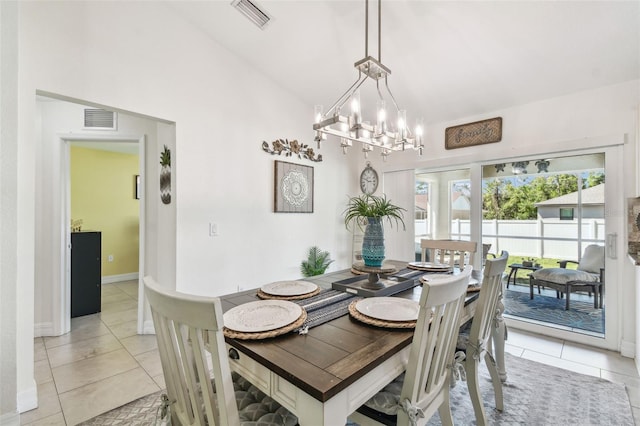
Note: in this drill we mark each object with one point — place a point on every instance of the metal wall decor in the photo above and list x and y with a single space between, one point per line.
293 188
476 133
291 148
165 175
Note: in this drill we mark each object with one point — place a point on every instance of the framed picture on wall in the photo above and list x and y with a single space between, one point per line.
293 188
137 186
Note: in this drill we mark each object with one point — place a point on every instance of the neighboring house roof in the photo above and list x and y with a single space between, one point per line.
593 196
461 203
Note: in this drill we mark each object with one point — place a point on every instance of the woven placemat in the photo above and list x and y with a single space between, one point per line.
355 271
266 334
377 322
262 295
473 288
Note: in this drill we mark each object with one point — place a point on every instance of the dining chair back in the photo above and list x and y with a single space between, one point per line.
453 252
477 344
201 392
424 387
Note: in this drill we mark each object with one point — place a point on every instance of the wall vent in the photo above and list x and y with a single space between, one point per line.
100 119
252 12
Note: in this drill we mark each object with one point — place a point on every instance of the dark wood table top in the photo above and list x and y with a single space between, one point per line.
332 355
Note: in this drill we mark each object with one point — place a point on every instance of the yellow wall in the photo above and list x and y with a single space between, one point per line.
103 196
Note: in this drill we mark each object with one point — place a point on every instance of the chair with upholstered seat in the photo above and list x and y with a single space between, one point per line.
203 392
475 340
423 389
588 276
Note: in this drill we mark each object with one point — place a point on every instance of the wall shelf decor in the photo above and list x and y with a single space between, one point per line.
291 149
293 188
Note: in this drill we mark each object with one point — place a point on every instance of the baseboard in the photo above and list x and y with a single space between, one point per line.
42 329
148 328
28 399
108 279
10 419
628 349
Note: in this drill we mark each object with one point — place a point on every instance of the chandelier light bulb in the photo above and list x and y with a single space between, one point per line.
355 107
318 110
382 117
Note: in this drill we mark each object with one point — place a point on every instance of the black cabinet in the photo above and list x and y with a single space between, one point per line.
86 273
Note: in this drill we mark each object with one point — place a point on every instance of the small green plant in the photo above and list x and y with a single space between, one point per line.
165 157
317 262
363 206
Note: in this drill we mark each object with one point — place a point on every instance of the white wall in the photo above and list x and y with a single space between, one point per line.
156 64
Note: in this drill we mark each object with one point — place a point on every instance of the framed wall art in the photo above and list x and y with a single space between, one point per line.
293 188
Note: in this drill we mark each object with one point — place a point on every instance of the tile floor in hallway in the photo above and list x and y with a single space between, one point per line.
102 363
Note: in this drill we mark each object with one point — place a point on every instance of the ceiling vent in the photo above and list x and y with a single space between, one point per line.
252 12
99 119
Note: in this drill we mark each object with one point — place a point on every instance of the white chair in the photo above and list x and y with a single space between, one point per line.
424 387
454 252
187 327
477 342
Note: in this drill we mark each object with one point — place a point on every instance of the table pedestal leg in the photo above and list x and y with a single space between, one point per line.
373 283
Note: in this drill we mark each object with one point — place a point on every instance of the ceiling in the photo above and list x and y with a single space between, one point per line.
449 59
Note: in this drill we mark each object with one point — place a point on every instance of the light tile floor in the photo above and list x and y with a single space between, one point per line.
102 363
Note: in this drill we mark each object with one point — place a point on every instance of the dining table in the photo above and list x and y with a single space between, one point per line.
325 373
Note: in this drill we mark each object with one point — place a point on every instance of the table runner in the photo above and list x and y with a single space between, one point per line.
327 305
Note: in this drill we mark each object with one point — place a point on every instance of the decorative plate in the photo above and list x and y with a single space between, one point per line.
261 315
389 308
432 278
288 288
430 266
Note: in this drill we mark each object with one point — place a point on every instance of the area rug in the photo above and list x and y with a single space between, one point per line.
581 315
534 394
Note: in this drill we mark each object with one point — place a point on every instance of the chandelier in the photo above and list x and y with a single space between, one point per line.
351 128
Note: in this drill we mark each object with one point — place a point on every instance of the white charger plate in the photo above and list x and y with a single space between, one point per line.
288 288
261 315
435 277
431 266
389 308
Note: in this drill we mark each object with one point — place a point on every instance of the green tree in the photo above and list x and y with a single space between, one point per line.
502 199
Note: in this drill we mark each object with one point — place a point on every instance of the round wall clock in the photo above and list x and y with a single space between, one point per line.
369 180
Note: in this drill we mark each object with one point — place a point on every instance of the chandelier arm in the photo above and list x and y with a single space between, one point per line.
386 83
343 98
379 92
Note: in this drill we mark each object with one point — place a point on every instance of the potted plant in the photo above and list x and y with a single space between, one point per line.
317 262
370 210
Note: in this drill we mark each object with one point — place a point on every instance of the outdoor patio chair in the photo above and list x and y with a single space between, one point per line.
588 276
202 392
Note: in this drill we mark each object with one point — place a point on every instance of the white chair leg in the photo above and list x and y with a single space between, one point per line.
471 367
495 380
445 411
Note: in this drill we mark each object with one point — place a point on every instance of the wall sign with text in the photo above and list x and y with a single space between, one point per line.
476 133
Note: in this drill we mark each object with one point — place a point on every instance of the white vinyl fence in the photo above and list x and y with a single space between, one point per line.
541 238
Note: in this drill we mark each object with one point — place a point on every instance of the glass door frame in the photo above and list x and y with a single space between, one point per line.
613 263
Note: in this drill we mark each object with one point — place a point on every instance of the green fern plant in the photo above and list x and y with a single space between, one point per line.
317 262
364 206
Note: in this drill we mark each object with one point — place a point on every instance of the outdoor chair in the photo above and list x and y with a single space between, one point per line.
588 276
202 392
475 340
415 396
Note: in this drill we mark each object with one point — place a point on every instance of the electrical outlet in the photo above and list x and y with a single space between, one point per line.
213 229
110 258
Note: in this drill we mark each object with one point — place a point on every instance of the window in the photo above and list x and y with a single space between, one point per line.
566 213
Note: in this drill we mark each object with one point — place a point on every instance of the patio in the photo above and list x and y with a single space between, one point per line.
545 307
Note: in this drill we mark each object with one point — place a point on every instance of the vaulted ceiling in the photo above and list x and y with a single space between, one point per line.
449 59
